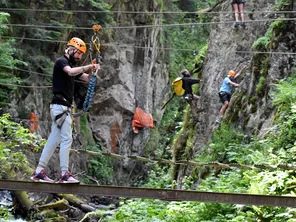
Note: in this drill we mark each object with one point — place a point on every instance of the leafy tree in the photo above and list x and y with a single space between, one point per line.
6 60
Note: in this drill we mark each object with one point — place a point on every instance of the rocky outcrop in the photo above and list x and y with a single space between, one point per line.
251 110
228 49
134 74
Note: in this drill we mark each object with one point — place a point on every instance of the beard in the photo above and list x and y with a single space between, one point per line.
72 60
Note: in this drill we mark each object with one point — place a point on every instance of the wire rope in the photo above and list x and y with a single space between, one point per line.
23 70
145 26
141 12
21 86
164 48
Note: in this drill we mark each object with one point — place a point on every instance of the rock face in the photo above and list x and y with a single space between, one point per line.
250 108
134 74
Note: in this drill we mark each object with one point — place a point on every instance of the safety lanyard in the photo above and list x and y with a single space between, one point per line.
95 47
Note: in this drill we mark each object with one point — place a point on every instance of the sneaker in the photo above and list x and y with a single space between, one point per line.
236 24
41 177
68 178
218 119
243 24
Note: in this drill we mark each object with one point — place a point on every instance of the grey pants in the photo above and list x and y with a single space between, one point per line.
59 134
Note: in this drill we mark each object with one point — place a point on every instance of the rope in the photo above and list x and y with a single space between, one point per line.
192 163
36 87
140 12
147 26
90 93
160 48
94 47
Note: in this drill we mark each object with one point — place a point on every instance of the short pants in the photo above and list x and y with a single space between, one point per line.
238 1
224 96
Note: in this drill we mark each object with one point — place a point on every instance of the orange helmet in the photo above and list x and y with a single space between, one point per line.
78 44
231 73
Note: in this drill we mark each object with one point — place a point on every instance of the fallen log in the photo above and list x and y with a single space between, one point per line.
62 204
75 201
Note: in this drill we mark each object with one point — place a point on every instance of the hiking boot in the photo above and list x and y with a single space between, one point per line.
243 24
68 178
41 177
235 25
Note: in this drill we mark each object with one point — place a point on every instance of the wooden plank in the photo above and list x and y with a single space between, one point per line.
163 194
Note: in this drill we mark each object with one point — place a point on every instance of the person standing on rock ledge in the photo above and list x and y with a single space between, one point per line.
64 74
226 90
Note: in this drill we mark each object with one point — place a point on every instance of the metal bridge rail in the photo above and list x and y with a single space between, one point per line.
162 194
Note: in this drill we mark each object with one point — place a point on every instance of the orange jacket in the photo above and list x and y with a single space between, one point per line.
33 126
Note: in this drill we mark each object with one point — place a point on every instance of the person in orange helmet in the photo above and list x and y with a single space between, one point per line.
64 74
225 90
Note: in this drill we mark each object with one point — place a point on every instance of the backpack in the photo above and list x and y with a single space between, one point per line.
177 86
178 90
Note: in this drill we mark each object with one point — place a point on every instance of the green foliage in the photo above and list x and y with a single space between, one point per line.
282 4
159 177
225 142
285 94
262 43
87 135
14 142
5 213
190 39
6 61
100 167
260 86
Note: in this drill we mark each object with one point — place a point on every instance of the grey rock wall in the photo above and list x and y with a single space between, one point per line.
133 74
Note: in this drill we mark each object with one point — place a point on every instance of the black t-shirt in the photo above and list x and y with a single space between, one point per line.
187 84
62 83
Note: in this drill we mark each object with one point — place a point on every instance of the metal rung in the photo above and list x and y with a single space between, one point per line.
162 194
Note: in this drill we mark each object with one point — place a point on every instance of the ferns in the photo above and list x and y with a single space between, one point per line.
285 93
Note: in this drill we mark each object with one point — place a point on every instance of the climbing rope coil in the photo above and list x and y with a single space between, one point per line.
95 46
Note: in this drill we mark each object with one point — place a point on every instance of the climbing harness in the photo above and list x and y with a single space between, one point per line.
95 47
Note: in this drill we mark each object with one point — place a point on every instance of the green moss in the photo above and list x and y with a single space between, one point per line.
253 108
260 86
183 145
152 144
236 107
84 130
48 213
245 122
282 4
265 42
265 66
